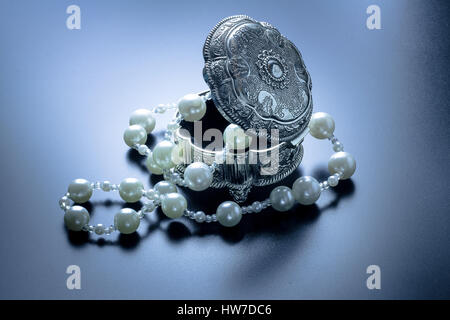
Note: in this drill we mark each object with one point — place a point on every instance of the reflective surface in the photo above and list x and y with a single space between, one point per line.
65 100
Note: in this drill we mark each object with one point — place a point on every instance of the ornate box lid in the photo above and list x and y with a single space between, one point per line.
257 77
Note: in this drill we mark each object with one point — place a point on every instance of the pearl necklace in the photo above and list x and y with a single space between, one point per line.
306 190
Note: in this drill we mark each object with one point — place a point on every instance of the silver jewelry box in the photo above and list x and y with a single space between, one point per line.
257 80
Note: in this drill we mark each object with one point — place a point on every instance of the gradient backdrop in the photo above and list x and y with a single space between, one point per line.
65 98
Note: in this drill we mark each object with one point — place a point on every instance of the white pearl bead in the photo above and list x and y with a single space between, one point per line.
229 213
342 162
131 190
321 125
80 190
235 137
162 154
144 118
282 198
198 176
152 166
76 217
135 134
192 107
164 187
126 221
306 190
173 205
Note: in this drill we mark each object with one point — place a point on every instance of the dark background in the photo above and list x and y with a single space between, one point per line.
65 98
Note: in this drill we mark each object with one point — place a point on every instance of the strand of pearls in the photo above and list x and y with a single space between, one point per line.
126 220
198 176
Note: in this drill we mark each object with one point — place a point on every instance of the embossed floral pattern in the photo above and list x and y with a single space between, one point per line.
273 69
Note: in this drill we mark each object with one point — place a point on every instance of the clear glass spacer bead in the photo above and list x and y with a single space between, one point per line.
338 146
200 216
106 186
333 181
64 202
152 194
149 207
99 229
143 150
324 185
257 206
161 108
172 126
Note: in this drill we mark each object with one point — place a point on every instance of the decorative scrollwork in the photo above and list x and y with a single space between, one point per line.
257 77
273 69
